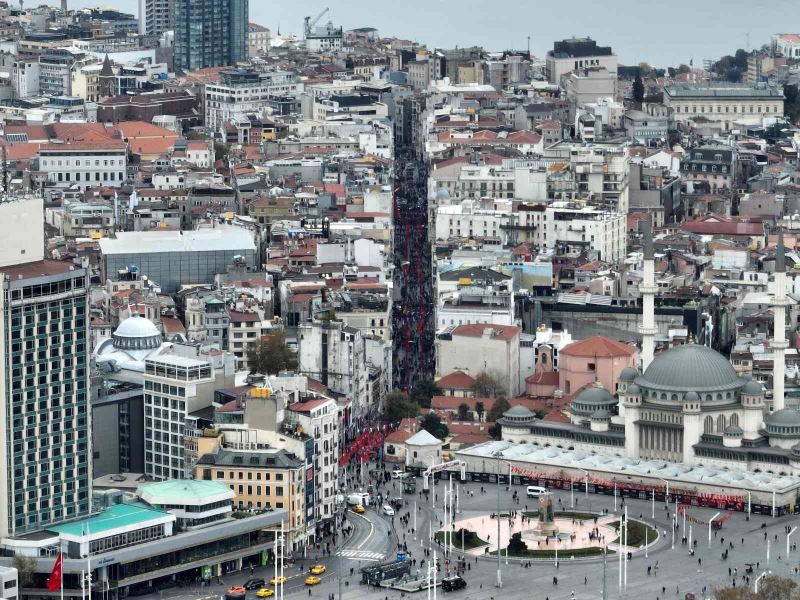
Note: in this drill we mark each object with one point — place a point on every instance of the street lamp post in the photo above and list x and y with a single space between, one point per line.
674 527
615 496
571 491
653 504
710 521
666 497
499 582
585 482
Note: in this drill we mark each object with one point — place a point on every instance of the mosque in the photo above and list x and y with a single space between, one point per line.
686 405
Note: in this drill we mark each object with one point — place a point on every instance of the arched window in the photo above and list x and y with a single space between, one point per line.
735 419
708 425
721 423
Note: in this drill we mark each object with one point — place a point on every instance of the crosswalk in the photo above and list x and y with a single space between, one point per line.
361 555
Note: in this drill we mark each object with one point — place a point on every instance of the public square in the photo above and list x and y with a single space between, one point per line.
663 570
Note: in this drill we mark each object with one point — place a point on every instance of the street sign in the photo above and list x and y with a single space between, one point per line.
205 572
401 556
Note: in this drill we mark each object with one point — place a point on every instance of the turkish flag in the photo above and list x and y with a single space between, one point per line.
54 581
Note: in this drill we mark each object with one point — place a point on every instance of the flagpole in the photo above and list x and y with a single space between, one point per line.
61 557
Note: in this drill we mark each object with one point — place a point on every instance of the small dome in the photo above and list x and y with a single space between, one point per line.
634 390
691 397
753 388
733 431
628 374
518 411
136 333
787 417
591 399
796 451
136 327
442 194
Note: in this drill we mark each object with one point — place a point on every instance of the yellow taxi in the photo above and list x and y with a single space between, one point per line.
278 580
358 509
265 593
312 580
317 569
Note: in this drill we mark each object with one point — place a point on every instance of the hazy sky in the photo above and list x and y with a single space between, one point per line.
661 33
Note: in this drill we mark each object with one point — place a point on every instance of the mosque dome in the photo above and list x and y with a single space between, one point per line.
753 388
591 399
783 423
689 367
136 333
628 374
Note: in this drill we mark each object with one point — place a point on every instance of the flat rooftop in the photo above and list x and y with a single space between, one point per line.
39 268
215 239
114 517
719 90
677 472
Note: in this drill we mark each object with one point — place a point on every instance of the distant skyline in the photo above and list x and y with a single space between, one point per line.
637 30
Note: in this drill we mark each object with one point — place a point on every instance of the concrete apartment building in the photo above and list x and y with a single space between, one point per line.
84 163
242 92
156 16
259 480
575 54
479 348
725 104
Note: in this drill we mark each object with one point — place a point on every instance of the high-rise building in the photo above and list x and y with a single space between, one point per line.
44 378
156 16
210 33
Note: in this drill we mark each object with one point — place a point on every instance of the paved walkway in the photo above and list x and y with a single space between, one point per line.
577 533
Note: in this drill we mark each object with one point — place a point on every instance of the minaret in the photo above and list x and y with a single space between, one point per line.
648 289
779 343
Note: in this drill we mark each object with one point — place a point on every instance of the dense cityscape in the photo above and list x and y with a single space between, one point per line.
316 311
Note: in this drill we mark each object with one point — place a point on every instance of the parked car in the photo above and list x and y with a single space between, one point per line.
534 491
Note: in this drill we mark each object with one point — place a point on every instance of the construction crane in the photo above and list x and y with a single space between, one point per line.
308 22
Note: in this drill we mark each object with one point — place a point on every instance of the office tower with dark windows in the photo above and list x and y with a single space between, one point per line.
210 33
45 477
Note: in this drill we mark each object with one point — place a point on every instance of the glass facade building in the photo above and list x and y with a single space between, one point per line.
44 392
210 33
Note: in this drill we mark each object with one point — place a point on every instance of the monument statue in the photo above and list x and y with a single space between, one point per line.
546 525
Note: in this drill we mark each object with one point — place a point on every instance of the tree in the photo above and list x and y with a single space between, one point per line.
398 406
771 587
220 151
500 406
516 547
480 409
638 89
463 412
271 355
433 425
487 386
424 391
644 67
684 69
26 567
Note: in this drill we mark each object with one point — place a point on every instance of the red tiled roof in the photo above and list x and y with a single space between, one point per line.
598 346
243 317
172 325
543 378
500 332
469 438
718 225
399 436
456 381
308 405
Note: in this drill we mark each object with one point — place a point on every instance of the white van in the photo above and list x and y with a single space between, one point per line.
361 498
534 491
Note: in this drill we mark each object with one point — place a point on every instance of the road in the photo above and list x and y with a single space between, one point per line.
677 572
